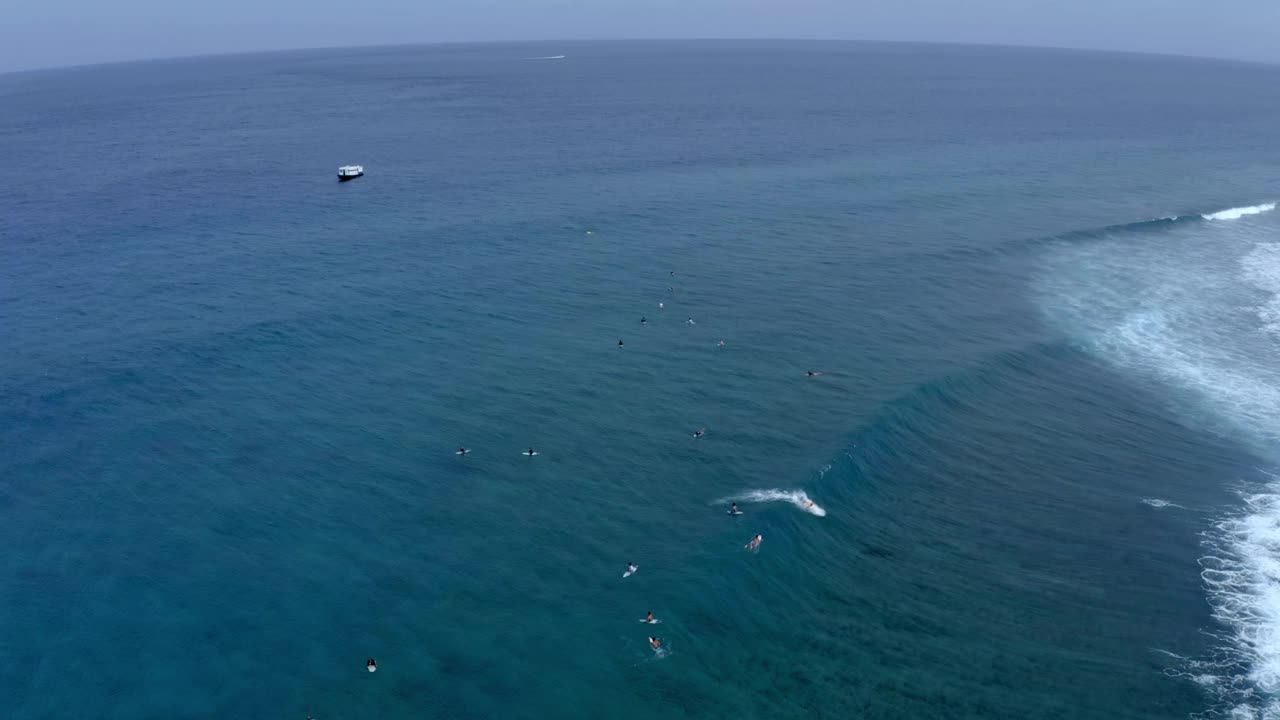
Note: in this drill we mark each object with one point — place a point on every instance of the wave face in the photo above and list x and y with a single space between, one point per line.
1237 213
1195 309
798 498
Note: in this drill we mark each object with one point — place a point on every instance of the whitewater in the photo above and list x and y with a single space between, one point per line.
1196 308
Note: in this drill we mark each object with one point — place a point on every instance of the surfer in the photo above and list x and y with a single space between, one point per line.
632 567
373 666
808 505
813 373
655 643
720 344
690 321
733 509
530 452
755 542
619 343
643 321
699 432
462 450
649 618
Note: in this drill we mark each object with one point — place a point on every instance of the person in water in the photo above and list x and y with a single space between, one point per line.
690 321
619 343
649 617
699 432
632 567
531 453
733 509
813 373
655 643
755 542
373 666
643 321
462 450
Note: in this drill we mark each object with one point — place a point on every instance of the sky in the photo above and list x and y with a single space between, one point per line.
49 33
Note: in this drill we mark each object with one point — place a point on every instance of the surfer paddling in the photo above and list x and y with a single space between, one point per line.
755 542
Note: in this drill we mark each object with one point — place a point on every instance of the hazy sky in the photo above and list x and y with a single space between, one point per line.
42 33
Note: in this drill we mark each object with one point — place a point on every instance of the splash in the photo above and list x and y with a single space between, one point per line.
797 498
1158 503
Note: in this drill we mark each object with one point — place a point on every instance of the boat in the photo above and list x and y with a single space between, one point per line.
347 172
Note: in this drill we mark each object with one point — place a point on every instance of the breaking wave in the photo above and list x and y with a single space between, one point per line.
1237 213
1195 306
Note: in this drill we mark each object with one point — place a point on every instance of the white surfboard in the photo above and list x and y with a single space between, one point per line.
629 573
526 453
654 621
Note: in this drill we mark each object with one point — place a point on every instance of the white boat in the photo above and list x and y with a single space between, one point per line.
347 172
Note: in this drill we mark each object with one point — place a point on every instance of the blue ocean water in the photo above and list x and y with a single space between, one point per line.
1043 288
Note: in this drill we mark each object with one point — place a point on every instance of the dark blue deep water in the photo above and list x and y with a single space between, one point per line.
1043 286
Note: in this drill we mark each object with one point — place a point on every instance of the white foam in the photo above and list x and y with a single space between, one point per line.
795 497
549 57
1242 574
1182 307
1262 269
1237 213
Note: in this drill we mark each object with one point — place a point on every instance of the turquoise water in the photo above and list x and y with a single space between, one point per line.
232 387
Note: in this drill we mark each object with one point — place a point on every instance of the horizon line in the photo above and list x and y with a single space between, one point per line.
863 41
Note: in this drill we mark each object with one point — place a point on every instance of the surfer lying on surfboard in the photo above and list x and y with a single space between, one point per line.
655 643
755 543
631 570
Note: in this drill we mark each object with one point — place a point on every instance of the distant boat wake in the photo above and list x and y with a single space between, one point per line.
546 57
797 498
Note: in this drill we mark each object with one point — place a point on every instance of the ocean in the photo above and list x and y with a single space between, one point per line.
1042 288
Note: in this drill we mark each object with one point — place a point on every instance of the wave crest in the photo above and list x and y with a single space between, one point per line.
1239 212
